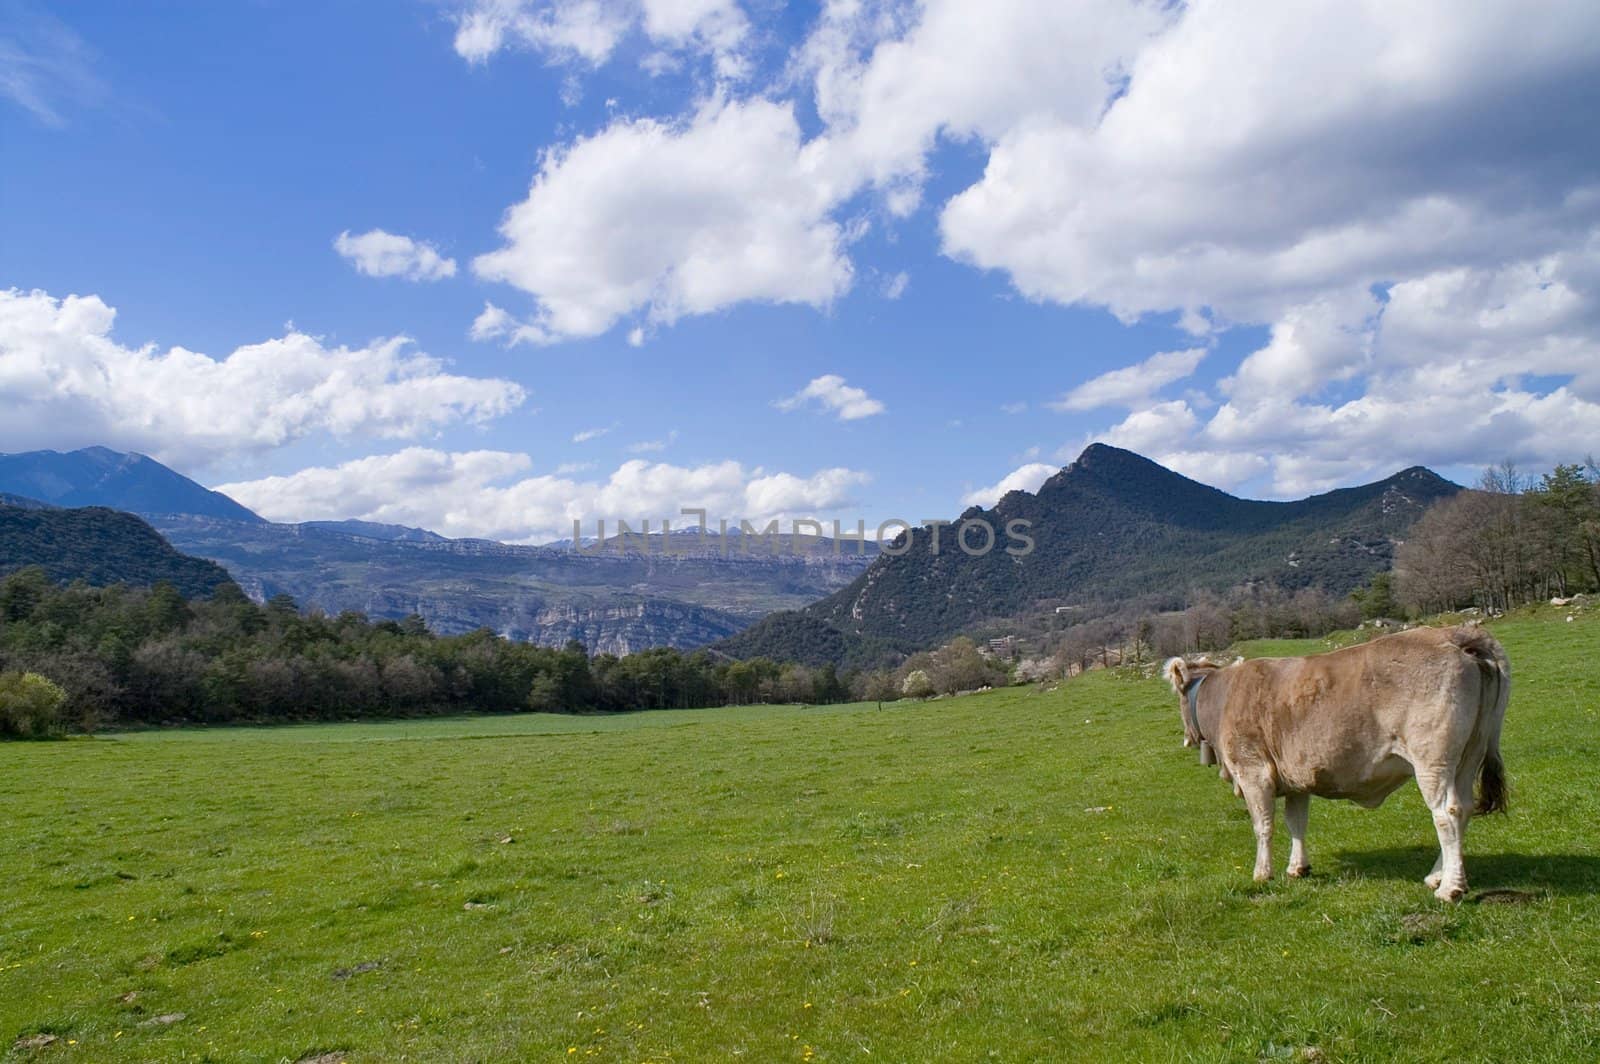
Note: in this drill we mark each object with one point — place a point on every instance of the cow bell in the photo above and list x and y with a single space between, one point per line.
1208 756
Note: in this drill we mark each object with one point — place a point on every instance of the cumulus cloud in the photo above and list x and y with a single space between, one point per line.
832 394
380 254
889 80
1264 153
497 323
65 382
490 494
671 219
1025 478
1132 385
589 31
1360 180
1404 195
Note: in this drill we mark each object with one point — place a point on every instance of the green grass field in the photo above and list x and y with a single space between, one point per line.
1021 875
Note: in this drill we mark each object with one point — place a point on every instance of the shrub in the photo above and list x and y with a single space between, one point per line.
30 706
916 684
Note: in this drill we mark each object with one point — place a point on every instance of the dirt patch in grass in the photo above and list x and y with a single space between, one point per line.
28 1043
1505 896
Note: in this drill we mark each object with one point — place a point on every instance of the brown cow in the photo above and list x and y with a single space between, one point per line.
1357 723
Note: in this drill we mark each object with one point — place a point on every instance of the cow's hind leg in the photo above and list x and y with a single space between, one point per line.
1450 812
1296 813
1260 800
1464 781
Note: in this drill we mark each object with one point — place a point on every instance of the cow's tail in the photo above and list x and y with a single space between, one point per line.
1495 692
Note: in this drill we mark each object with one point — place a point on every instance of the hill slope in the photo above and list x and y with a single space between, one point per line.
97 476
1115 525
100 547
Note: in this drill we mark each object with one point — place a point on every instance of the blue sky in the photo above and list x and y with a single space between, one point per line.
1340 258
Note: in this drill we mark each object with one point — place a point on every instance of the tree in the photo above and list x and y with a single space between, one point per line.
30 706
1566 519
1377 598
21 593
916 685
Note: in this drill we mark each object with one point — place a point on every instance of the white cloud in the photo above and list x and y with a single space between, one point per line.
45 67
671 220
488 494
589 31
593 434
1026 478
497 323
654 446
832 394
1133 385
1266 153
64 382
890 79
1155 429
1220 469
1405 195
380 254
581 29
895 287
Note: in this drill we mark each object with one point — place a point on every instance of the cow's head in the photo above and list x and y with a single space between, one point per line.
1185 676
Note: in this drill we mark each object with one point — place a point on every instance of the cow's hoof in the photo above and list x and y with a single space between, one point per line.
1450 893
1433 879
1300 873
1262 877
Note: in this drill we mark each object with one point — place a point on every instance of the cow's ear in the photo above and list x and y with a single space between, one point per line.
1176 671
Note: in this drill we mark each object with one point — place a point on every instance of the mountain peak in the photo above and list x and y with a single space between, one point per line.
1115 525
100 476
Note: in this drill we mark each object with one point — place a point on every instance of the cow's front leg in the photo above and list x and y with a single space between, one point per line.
1296 813
1259 799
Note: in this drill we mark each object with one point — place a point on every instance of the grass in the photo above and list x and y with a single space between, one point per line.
1019 875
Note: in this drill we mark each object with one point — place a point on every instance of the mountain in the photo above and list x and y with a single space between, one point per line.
683 591
615 600
100 547
374 530
1112 525
97 476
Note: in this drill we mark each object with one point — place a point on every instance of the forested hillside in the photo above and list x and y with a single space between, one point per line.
127 656
100 547
1112 526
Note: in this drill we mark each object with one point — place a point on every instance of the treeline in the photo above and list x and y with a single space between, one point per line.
956 667
1514 541
1138 633
127 656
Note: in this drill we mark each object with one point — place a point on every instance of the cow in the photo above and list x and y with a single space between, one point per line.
1356 724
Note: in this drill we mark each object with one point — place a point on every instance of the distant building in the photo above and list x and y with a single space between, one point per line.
1004 648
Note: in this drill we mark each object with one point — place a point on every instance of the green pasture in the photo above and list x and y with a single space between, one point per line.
1021 875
